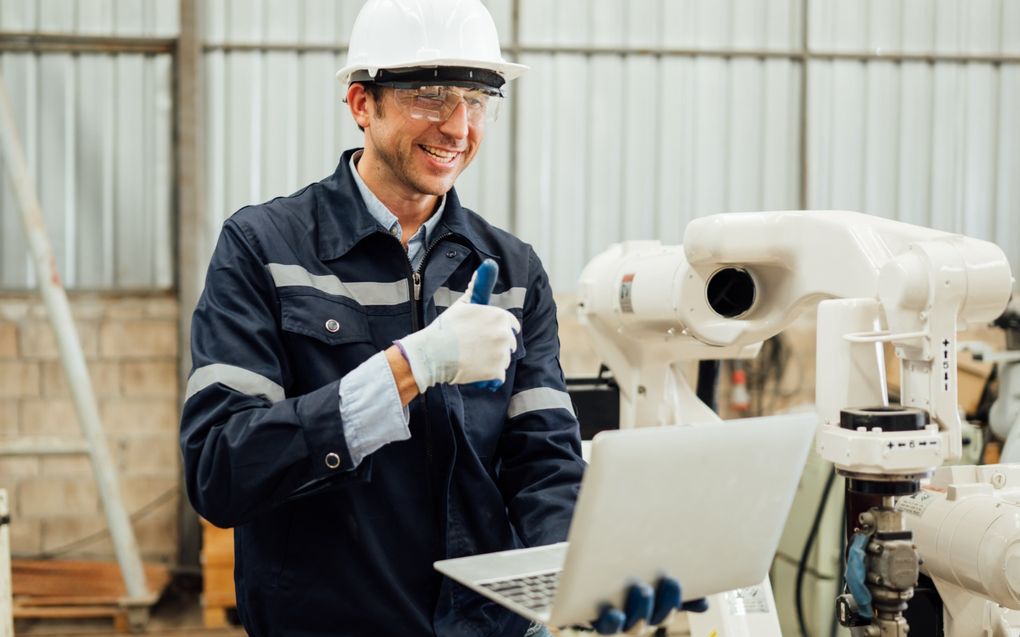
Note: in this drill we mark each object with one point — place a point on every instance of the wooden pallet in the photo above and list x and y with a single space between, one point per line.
58 589
218 596
116 614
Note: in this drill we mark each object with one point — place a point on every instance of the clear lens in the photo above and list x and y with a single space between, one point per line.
437 103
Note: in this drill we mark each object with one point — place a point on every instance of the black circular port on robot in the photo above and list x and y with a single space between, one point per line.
731 292
893 418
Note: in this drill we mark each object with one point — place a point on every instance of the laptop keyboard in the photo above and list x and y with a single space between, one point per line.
534 592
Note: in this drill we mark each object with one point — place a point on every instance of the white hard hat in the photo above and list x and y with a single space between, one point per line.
432 34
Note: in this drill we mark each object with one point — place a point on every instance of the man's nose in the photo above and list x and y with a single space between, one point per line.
457 124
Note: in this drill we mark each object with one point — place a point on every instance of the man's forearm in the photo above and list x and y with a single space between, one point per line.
406 386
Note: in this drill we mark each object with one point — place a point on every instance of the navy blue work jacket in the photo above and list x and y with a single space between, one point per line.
326 549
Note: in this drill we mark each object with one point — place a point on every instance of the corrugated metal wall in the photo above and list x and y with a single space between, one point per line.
638 115
624 144
97 133
933 143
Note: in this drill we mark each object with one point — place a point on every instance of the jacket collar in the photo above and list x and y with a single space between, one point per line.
343 219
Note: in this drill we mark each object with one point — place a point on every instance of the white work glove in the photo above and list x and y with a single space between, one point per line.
467 343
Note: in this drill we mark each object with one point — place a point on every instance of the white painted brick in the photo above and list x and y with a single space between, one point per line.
8 418
78 466
89 307
53 417
149 378
104 375
162 308
140 491
156 533
148 455
135 416
14 309
46 496
126 309
17 467
26 536
8 340
138 339
37 339
18 379
58 532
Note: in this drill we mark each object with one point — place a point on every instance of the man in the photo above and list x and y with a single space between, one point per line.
332 416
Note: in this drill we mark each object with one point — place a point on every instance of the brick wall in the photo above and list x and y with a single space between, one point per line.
130 345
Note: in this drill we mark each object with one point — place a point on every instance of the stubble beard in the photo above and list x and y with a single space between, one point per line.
401 165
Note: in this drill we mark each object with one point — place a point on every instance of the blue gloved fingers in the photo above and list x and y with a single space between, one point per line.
667 597
485 280
610 620
638 605
696 605
482 283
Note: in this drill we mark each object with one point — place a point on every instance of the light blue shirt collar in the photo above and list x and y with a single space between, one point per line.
390 223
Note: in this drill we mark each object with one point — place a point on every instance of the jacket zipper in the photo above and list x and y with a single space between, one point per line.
416 309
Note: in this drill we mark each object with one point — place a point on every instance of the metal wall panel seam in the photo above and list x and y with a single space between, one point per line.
52 139
802 129
215 116
592 50
673 162
164 246
657 140
515 119
70 273
1007 223
31 137
255 183
109 186
44 42
959 199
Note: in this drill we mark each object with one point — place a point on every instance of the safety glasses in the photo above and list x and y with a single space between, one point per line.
437 103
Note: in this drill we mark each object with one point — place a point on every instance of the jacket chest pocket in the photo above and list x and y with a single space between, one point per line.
325 337
326 320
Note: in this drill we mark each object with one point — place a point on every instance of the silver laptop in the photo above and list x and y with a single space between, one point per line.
705 504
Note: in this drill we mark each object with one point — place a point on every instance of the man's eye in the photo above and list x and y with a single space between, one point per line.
474 102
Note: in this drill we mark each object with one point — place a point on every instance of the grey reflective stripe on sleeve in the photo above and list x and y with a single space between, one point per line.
512 299
365 293
236 378
538 398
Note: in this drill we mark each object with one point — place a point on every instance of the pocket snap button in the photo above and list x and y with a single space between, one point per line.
332 326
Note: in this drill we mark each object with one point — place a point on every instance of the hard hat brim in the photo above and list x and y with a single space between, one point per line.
509 70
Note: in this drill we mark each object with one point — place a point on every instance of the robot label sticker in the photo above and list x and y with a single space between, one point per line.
915 504
745 601
626 303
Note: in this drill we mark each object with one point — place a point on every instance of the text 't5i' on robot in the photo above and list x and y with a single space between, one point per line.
741 278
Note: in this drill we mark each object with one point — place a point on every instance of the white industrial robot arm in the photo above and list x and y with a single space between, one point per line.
741 278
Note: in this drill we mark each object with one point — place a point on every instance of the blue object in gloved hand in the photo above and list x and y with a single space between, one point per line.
485 281
642 603
856 572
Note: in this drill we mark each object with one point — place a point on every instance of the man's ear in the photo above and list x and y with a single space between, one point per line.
358 101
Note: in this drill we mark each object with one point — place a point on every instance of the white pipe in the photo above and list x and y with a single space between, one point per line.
59 311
